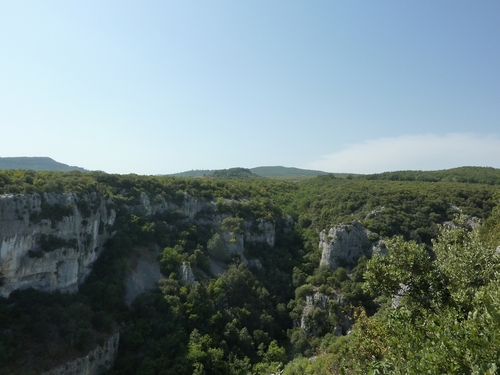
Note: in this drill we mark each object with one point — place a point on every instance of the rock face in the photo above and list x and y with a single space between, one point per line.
266 232
96 362
189 207
186 274
314 300
344 244
225 244
50 241
142 275
234 243
322 301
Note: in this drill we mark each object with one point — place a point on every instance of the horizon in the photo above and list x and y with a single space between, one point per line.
250 168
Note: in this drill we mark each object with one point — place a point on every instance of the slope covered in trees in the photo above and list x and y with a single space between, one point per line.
408 208
481 175
250 319
284 173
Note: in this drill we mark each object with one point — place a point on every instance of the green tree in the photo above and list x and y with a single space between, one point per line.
217 248
171 259
447 320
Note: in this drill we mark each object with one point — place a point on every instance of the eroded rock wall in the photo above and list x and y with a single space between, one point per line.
188 208
265 232
95 362
344 244
50 241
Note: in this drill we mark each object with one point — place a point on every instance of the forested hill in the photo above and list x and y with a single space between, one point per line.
233 173
279 171
481 175
284 173
36 164
246 283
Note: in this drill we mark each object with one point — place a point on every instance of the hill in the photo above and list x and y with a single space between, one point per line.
194 173
233 173
481 175
278 172
36 164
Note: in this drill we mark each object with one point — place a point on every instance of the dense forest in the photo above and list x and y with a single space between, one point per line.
430 305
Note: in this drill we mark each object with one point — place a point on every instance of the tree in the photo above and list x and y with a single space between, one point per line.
171 259
217 248
448 317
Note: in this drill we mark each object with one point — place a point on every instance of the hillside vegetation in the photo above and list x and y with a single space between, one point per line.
478 175
250 319
278 172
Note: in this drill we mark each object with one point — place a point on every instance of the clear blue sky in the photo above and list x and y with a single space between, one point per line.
153 87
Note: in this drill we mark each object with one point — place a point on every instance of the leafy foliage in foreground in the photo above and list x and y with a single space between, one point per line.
446 322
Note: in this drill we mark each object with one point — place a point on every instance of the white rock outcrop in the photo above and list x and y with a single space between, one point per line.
226 244
186 274
344 244
49 242
189 207
265 232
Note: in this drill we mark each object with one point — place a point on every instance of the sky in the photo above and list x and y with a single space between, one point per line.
158 87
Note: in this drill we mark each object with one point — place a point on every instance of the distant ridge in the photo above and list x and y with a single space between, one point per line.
194 173
233 173
36 164
278 172
478 175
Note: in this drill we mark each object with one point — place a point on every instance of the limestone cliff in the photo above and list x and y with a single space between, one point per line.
265 232
95 362
49 241
344 244
189 207
227 243
144 271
